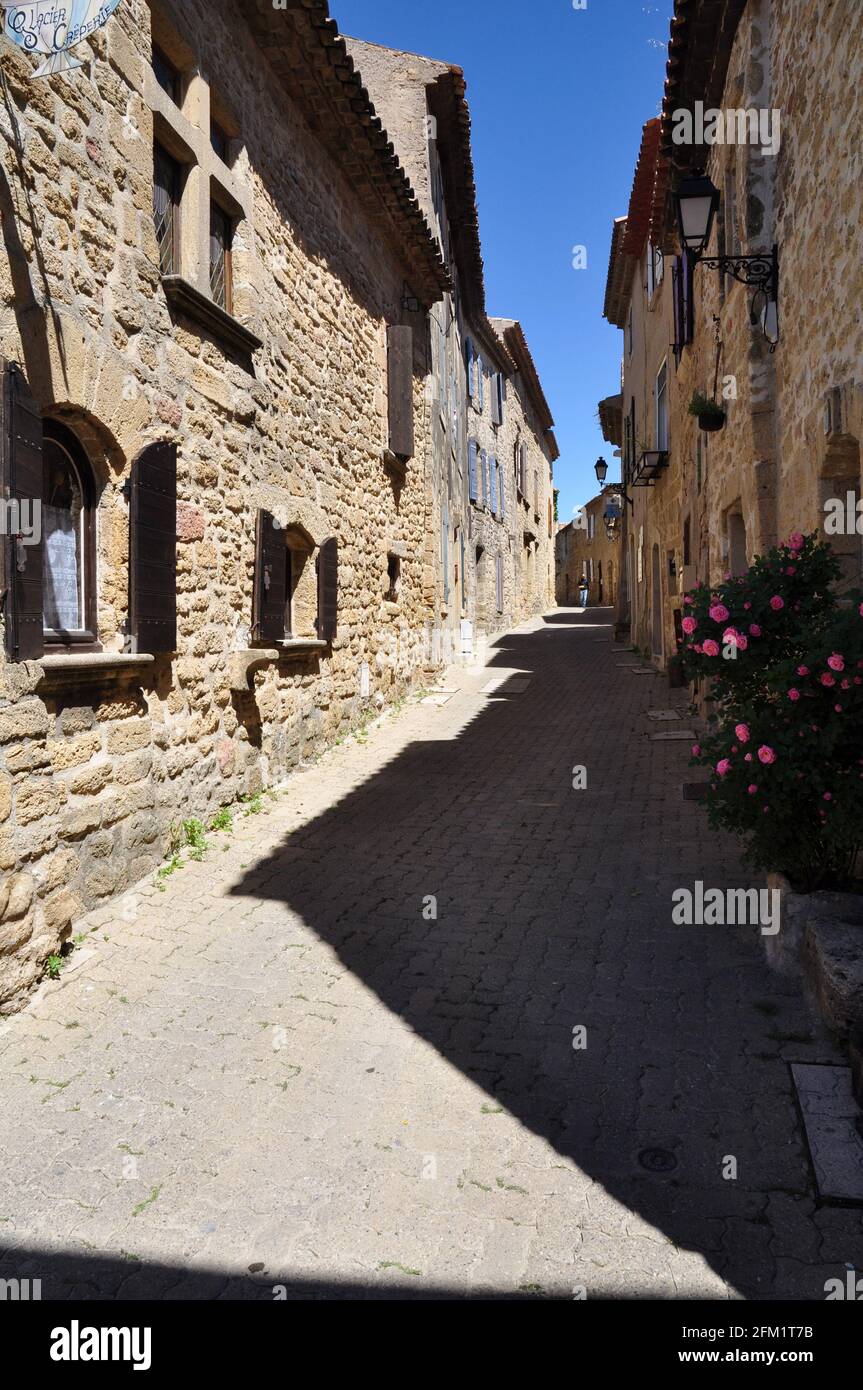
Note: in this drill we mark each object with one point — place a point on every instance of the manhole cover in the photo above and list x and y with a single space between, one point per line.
657 1160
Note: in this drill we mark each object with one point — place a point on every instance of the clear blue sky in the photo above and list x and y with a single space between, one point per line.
558 97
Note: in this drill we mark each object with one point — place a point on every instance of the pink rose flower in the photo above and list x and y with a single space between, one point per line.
718 612
747 757
747 606
776 603
836 662
742 642
696 750
710 648
754 630
752 789
689 625
741 731
766 754
793 694
723 766
790 569
687 598
827 679
844 685
828 796
803 670
795 541
838 709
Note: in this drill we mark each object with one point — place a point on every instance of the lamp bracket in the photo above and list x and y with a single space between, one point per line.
759 272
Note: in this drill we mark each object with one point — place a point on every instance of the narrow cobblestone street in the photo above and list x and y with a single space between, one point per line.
283 1073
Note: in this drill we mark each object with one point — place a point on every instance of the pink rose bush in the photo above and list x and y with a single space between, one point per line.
788 693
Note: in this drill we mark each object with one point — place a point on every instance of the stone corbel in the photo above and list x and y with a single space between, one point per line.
243 664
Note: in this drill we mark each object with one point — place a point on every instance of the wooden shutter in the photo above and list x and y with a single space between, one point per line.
469 360
153 550
483 468
480 382
270 596
677 302
328 589
688 311
21 482
400 353
496 416
501 479
499 583
492 477
471 469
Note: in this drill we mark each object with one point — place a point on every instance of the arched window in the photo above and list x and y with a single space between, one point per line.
69 535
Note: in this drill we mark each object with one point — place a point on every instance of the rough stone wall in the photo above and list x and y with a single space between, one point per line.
773 463
653 522
397 83
817 83
94 774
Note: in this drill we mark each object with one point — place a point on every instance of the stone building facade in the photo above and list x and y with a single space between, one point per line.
490 543
787 80
223 382
588 550
201 386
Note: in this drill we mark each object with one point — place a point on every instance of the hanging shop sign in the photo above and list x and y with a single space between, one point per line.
52 27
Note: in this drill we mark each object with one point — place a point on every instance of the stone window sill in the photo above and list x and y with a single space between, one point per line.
186 299
298 645
80 667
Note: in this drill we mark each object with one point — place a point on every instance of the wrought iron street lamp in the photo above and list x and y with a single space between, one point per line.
601 470
696 202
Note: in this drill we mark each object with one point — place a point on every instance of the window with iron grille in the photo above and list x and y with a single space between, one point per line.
166 209
221 232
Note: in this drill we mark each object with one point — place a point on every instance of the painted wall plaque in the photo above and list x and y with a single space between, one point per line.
53 27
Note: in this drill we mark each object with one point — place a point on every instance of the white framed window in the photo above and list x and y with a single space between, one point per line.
655 268
662 406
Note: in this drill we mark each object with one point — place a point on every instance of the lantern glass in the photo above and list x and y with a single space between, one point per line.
697 200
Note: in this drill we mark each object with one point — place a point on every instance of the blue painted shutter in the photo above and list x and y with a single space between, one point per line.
492 470
502 485
480 381
469 361
471 469
483 468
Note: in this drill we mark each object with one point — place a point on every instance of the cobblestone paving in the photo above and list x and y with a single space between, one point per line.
281 1072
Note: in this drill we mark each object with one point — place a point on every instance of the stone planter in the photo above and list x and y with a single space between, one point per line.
834 963
820 938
